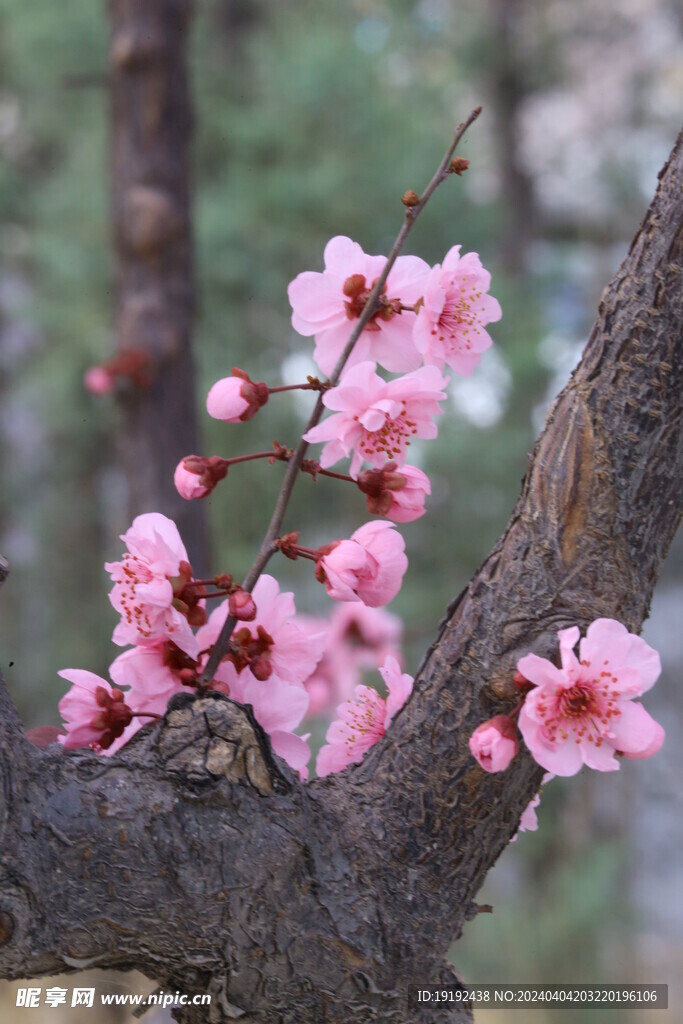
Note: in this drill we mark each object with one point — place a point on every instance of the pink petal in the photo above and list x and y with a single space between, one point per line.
634 730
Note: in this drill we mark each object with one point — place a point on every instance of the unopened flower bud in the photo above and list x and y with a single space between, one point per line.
410 198
522 684
398 494
354 285
494 743
196 476
242 605
458 164
237 398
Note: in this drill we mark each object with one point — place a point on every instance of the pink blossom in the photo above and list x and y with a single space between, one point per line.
376 420
279 700
278 707
369 567
237 398
363 720
94 713
584 712
529 820
98 381
196 476
357 639
450 323
152 676
652 748
144 580
292 653
188 484
397 494
328 304
494 743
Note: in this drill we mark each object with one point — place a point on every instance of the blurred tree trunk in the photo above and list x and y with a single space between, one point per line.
508 89
152 229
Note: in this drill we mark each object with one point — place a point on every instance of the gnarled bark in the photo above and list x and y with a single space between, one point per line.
196 856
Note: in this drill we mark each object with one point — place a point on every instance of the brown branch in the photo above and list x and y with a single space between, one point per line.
197 857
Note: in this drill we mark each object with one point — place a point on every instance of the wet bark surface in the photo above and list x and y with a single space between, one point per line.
197 857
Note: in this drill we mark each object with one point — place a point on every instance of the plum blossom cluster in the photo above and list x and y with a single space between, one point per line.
252 647
584 712
162 616
424 319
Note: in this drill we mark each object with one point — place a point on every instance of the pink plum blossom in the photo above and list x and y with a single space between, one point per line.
292 653
369 567
94 713
585 712
237 398
357 639
278 707
152 677
397 494
279 699
363 720
494 743
652 748
376 420
143 591
328 305
450 323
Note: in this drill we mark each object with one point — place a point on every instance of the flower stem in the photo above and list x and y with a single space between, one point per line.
268 547
308 386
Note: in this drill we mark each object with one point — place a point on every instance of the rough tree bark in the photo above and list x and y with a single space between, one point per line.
154 302
198 858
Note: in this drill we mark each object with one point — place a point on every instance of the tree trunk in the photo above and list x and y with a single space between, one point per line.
154 304
197 857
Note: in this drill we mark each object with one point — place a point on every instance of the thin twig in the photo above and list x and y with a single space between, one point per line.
268 547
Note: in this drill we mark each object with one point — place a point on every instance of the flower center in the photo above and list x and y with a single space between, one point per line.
459 317
392 438
584 710
133 573
363 722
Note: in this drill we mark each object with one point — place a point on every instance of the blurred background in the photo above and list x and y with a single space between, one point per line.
311 119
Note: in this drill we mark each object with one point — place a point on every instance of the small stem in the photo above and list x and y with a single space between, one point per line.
272 454
303 552
336 476
268 547
145 714
296 387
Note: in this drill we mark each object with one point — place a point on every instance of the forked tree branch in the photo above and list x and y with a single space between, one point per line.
196 856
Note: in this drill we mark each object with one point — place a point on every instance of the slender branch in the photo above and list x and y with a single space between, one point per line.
268 547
